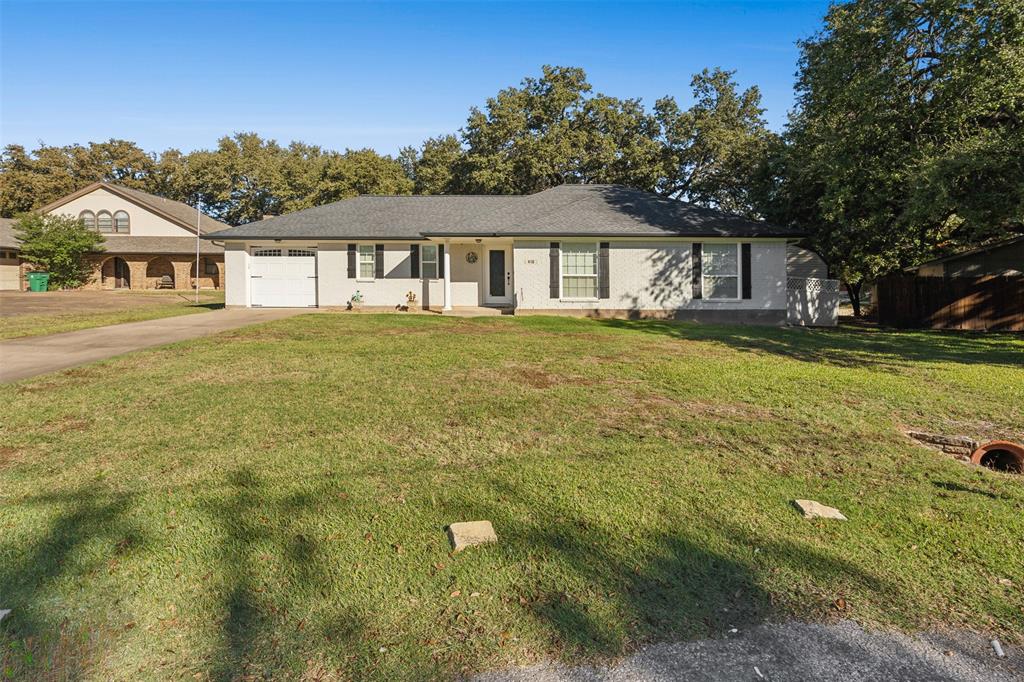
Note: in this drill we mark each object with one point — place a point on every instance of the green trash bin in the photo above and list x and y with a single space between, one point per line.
38 281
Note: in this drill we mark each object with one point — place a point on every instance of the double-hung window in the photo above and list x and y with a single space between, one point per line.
579 270
721 271
428 261
367 265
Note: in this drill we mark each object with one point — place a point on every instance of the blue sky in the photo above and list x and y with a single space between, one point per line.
353 75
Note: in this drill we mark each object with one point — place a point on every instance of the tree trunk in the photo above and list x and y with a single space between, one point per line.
854 291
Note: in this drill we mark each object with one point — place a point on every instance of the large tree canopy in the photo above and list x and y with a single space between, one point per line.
547 131
553 130
909 133
29 180
243 179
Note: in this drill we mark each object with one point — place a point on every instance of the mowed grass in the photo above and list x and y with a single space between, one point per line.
161 305
270 502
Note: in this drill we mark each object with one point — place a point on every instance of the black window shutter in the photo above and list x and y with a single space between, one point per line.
351 261
414 260
698 291
745 268
603 285
378 262
553 269
440 261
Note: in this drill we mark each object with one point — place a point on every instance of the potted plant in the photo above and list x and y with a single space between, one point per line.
410 301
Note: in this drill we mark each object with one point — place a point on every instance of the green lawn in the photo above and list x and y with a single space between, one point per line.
270 502
161 306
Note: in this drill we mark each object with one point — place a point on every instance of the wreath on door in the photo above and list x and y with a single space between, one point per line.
471 257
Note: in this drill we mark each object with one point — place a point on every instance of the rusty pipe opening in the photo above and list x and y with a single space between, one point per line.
1000 455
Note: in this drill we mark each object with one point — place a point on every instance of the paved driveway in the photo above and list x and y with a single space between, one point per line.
31 356
843 652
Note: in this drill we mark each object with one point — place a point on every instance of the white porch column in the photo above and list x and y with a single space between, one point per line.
447 275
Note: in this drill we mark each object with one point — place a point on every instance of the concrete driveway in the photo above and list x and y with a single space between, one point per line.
31 356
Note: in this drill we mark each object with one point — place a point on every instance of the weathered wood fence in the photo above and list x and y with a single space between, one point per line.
979 303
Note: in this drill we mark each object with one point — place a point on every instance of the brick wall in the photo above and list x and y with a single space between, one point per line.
147 272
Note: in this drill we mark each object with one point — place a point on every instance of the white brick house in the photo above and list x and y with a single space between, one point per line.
595 250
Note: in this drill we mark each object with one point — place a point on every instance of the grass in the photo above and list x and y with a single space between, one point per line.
270 502
161 306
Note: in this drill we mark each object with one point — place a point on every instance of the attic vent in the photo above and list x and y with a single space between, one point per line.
1000 455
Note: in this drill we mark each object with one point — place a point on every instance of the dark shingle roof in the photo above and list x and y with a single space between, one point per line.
7 238
568 210
129 244
182 212
371 217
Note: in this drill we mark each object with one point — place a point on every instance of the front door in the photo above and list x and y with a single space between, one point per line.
499 276
122 275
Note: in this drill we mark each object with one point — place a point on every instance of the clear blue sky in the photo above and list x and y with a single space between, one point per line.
380 75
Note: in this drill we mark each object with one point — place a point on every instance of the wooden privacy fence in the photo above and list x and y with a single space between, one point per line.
979 303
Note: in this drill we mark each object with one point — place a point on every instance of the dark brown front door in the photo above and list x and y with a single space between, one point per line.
122 275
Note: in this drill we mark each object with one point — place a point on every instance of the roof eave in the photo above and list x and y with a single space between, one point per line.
299 237
630 235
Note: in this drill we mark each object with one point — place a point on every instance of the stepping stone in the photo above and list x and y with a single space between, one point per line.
468 533
816 510
3 613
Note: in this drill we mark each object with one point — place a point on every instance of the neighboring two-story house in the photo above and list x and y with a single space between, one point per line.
150 241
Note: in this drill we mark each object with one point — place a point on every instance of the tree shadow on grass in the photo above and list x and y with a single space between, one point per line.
667 586
262 624
845 347
37 641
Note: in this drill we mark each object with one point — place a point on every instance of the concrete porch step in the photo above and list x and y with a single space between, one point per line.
478 311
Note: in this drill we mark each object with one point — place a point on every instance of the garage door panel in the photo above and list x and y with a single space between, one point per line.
283 281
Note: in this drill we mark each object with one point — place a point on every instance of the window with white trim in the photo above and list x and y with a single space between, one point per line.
104 222
89 218
720 270
579 270
121 222
367 261
428 261
301 252
267 252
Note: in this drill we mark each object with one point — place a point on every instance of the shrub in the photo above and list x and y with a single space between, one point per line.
57 244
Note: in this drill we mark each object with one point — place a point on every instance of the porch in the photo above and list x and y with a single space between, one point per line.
477 276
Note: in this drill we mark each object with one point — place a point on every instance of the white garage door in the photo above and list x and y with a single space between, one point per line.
283 278
10 276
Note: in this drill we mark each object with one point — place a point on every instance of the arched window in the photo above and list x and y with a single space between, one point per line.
121 222
104 222
89 218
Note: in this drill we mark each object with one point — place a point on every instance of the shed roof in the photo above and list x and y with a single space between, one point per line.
988 248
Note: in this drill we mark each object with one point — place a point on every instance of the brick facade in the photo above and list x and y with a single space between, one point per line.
148 271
